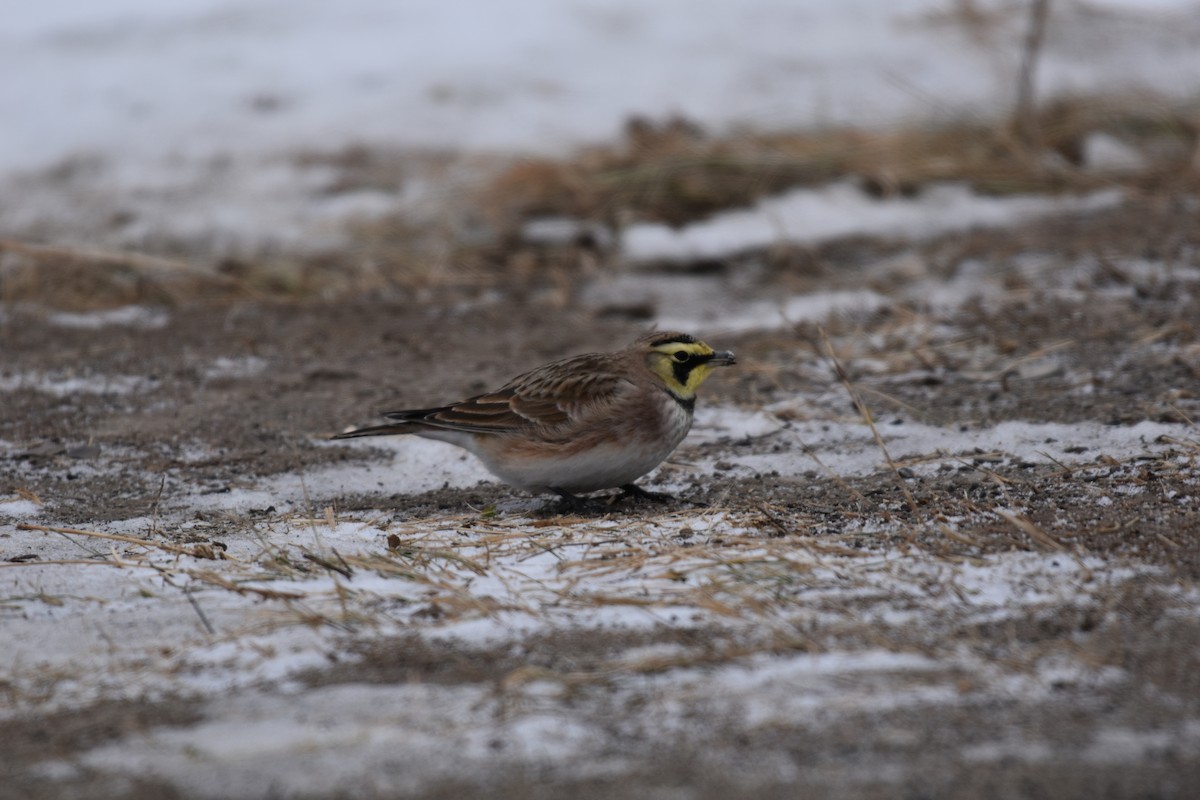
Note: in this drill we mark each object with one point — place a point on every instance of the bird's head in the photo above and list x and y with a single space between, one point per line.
681 361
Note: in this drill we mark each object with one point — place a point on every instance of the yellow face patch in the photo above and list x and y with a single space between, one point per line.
682 366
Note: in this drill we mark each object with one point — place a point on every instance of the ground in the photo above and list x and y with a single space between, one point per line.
937 542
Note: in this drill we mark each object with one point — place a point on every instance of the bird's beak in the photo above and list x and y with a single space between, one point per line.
722 358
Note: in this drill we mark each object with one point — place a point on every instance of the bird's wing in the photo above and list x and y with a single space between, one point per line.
541 402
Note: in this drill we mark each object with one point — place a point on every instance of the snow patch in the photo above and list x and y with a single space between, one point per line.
245 367
67 385
18 508
126 316
811 216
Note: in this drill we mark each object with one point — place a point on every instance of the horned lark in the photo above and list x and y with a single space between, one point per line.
584 423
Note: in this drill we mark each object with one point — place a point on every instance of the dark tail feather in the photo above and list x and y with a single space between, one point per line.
375 430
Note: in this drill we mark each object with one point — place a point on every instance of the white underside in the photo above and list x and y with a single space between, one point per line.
598 468
602 467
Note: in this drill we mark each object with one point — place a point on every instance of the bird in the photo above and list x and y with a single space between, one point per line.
578 425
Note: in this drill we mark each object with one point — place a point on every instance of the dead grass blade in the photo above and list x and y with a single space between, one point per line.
210 577
138 261
204 551
342 569
88 278
869 418
1032 531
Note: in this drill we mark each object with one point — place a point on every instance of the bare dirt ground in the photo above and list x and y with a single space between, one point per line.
1091 689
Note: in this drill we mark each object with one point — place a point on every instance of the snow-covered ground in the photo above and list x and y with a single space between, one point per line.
132 121
118 612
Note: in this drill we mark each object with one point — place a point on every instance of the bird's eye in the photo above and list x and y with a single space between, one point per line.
682 356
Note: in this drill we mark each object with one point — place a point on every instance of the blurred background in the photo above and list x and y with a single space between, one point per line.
305 149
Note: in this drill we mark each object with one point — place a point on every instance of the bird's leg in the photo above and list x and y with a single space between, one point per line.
633 490
572 501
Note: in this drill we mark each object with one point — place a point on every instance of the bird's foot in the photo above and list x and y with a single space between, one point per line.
576 504
597 505
638 493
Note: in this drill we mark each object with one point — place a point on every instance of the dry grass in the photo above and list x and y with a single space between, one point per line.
675 173
671 172
87 279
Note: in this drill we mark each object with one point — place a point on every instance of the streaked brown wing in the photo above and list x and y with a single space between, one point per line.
488 413
542 401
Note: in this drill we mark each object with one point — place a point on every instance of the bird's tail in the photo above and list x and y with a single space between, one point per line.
375 430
